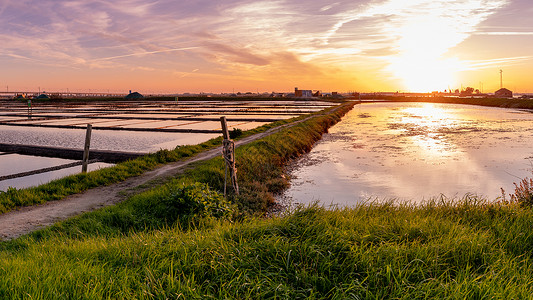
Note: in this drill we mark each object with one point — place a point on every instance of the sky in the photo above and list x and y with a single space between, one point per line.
213 46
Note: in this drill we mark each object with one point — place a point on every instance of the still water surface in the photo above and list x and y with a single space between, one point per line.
16 163
143 142
415 151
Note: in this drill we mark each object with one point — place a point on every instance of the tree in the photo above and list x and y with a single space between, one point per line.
469 90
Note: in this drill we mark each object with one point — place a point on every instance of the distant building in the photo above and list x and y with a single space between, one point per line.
336 95
302 93
134 95
503 93
276 95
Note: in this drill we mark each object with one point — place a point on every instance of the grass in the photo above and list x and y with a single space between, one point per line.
464 249
183 241
523 193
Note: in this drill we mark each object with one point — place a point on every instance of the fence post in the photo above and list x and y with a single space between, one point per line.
228 152
30 109
85 161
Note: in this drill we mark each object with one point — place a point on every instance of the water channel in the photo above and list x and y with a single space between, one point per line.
414 152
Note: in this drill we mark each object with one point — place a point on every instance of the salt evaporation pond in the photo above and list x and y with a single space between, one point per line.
24 163
137 127
140 141
414 152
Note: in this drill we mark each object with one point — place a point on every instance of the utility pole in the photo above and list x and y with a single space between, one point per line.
501 79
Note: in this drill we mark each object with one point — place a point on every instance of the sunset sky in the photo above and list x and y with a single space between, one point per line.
168 46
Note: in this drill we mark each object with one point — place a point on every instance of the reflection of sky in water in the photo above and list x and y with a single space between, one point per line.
129 141
100 139
416 151
15 163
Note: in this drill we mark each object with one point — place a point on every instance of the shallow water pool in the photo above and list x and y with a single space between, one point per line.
413 152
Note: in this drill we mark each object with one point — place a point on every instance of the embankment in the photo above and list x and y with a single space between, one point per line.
492 102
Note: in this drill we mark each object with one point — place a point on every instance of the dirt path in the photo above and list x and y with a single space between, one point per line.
28 219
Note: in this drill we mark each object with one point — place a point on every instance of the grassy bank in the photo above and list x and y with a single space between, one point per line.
182 240
462 250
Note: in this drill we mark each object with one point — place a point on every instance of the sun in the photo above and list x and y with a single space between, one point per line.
424 74
422 45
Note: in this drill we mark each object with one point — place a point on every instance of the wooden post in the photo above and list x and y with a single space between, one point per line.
29 109
228 151
225 131
85 161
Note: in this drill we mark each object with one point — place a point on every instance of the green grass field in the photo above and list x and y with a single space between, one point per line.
467 249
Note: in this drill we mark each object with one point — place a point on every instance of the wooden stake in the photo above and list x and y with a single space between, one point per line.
228 151
86 148
225 131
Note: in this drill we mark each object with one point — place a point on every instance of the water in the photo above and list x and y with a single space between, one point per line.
141 142
129 141
412 152
15 163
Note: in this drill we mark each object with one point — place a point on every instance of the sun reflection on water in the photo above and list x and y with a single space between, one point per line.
415 151
424 125
429 115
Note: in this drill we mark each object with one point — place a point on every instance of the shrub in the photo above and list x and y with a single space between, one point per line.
180 203
235 133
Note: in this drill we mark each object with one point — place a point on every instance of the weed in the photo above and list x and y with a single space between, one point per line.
523 192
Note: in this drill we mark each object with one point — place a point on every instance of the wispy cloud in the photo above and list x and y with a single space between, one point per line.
497 62
421 32
507 33
185 74
143 53
247 39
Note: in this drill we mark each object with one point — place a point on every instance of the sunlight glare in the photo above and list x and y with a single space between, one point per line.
421 73
425 32
429 120
428 113
420 64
